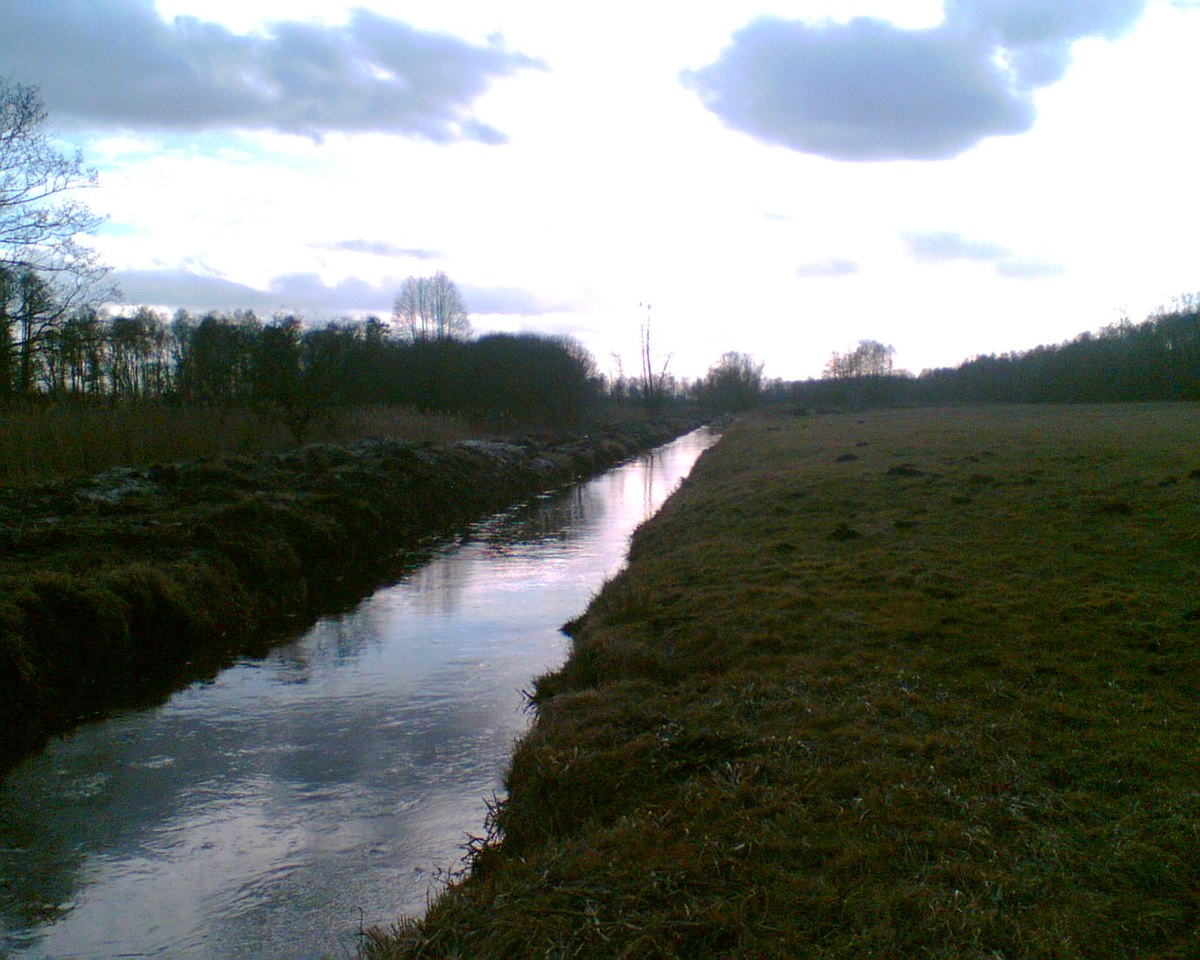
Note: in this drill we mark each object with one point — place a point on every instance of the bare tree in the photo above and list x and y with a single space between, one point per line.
653 385
869 359
137 355
45 274
75 355
734 382
431 308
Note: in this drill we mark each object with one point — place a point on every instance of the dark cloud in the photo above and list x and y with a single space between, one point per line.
307 293
833 267
181 288
304 292
117 64
380 248
868 90
948 247
864 90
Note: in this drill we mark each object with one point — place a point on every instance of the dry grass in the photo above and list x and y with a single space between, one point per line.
43 443
908 684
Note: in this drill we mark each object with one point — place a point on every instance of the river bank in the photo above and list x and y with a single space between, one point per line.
905 683
114 589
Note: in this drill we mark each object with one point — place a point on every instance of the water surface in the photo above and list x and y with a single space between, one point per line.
274 810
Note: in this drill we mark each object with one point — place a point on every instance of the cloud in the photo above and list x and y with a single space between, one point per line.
117 64
947 247
507 300
1029 269
863 90
380 248
1020 22
182 288
832 267
307 293
302 292
867 90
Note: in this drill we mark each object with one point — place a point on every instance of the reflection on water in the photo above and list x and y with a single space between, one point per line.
271 811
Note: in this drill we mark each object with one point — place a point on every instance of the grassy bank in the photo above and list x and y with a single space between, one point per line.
901 684
116 587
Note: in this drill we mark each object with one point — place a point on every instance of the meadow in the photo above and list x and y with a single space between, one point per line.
905 683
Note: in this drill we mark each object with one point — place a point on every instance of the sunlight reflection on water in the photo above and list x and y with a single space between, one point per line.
334 780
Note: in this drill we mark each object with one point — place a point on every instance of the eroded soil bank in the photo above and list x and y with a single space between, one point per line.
114 589
897 684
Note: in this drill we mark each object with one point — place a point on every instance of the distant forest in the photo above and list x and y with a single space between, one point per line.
296 371
1156 360
299 372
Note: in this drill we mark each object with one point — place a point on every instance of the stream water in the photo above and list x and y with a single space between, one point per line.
276 809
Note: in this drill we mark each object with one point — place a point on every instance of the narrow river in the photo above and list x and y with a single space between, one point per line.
274 810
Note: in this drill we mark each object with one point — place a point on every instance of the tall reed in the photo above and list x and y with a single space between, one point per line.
48 442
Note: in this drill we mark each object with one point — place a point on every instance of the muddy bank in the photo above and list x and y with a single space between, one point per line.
116 589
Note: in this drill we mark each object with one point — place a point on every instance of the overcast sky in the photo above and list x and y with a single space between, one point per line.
779 178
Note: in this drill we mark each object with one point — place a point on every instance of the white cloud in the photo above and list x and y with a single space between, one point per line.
379 248
946 246
943 247
511 301
1029 269
832 267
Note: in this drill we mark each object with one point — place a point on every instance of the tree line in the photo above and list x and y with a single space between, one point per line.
298 372
1155 360
55 342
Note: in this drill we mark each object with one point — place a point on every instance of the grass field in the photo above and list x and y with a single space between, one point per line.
898 684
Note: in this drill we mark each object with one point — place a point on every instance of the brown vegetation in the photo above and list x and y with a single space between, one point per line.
43 442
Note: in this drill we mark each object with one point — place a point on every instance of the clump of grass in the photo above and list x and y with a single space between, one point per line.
968 736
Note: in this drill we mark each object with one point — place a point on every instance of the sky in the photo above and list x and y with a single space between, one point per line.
782 178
